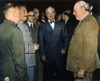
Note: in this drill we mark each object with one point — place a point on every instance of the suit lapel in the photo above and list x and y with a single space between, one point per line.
56 27
49 27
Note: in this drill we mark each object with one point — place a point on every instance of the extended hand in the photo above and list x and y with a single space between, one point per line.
81 73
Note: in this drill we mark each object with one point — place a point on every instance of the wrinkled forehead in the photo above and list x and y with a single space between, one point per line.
77 5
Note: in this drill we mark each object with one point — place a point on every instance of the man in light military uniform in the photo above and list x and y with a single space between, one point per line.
28 43
83 59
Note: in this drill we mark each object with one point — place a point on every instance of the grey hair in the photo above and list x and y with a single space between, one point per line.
84 4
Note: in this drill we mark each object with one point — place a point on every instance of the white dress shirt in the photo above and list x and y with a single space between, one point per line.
30 24
52 24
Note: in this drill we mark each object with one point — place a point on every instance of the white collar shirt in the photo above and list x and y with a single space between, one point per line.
52 24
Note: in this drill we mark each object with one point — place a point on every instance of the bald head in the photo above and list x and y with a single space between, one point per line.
80 9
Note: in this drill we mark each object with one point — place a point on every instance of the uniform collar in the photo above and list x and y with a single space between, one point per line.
9 21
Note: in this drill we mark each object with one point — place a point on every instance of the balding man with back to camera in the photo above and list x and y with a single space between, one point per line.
12 62
82 58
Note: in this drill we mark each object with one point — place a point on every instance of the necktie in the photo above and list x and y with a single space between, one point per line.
31 27
52 22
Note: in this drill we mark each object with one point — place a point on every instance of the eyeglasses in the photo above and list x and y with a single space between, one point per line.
31 15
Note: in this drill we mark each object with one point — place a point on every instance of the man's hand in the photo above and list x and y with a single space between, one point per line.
43 58
62 51
36 46
81 73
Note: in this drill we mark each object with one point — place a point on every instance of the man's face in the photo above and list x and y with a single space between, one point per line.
31 16
78 11
50 13
36 11
59 17
23 13
63 16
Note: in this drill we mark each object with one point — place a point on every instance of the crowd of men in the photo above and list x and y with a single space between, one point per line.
53 49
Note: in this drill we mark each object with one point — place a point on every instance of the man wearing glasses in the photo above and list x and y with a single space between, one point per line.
29 23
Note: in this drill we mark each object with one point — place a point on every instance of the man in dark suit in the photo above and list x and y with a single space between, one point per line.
53 41
68 23
66 17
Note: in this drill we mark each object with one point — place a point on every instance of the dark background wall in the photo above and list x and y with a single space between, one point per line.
59 5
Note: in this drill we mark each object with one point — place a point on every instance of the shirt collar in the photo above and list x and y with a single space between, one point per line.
30 23
6 20
66 20
51 21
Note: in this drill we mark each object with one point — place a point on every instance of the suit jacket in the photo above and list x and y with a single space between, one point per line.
70 28
34 33
28 43
12 63
82 52
52 41
98 20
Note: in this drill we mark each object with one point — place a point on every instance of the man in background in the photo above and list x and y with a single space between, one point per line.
39 67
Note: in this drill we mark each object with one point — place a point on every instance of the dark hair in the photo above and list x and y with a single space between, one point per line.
8 6
30 10
50 7
22 5
65 13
